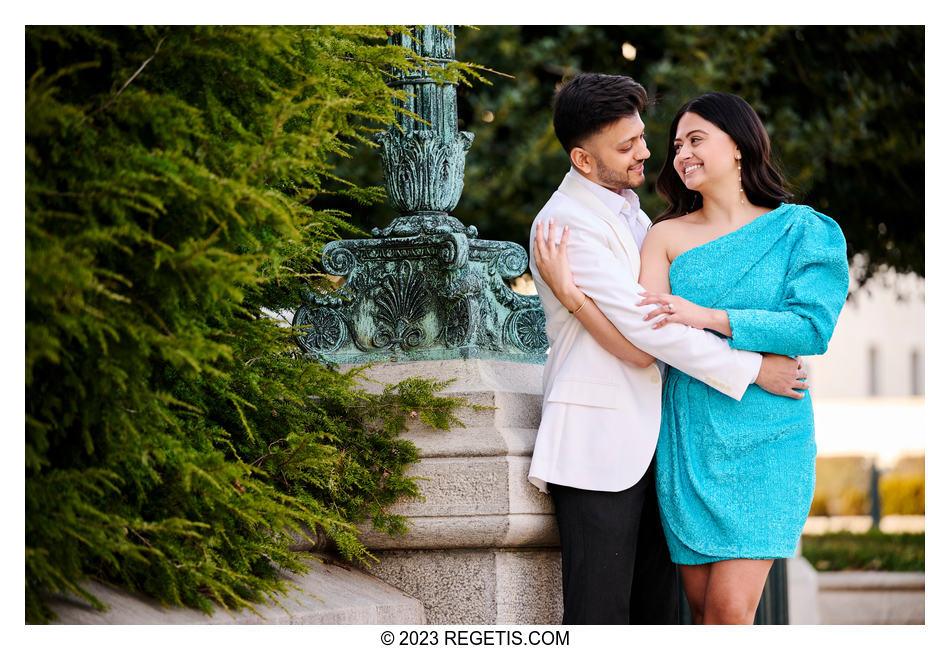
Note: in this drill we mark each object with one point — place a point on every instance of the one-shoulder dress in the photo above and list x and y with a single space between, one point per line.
735 479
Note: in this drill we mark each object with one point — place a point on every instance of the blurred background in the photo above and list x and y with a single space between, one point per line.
844 106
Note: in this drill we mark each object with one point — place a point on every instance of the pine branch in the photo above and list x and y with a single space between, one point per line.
115 97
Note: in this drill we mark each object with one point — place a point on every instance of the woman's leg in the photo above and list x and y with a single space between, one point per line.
733 591
695 578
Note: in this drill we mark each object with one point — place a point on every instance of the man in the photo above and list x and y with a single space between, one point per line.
600 417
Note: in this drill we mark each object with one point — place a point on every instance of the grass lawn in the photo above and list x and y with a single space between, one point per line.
872 551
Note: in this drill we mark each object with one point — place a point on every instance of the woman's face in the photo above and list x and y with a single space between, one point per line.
705 155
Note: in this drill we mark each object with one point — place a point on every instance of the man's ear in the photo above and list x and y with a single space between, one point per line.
582 160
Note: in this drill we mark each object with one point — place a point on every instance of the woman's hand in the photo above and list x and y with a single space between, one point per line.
680 310
551 259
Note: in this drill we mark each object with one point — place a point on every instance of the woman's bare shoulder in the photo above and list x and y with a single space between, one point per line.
667 228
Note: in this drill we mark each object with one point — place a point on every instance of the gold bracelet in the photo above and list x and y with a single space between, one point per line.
579 308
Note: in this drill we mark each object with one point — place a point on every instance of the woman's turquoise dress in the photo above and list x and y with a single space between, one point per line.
735 479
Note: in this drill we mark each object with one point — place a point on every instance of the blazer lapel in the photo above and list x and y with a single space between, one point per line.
585 197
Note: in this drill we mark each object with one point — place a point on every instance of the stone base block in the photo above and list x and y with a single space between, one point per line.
473 486
469 374
478 586
328 594
482 547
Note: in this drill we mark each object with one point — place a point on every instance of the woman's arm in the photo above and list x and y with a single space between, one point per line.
816 288
655 260
550 257
815 291
655 278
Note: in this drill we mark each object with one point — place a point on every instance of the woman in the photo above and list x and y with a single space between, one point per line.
734 479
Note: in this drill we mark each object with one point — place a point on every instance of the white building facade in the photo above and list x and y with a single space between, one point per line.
868 388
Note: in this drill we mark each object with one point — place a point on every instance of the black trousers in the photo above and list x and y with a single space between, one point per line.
615 565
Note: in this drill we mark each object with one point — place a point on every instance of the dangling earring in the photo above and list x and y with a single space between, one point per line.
741 191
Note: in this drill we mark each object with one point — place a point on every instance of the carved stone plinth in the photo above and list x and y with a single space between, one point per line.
483 545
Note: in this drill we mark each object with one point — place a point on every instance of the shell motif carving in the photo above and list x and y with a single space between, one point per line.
401 301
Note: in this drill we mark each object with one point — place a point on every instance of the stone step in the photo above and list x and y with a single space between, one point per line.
329 594
467 486
485 586
508 409
871 581
482 531
469 374
472 441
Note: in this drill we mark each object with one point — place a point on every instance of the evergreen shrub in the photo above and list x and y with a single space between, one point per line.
870 551
174 438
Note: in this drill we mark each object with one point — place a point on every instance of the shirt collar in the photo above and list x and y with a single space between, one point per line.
608 197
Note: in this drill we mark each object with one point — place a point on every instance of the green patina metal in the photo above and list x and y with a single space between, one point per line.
424 287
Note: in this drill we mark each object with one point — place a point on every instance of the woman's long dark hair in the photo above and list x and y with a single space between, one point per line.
762 183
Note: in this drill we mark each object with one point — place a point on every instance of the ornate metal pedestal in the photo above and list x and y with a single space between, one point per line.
425 287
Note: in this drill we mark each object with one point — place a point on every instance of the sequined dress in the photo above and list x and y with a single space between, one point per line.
735 479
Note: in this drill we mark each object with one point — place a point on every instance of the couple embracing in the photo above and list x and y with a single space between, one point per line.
705 476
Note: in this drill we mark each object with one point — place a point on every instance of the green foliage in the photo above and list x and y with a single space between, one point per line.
871 551
174 440
843 105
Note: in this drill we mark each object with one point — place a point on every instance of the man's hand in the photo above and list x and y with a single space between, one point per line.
781 375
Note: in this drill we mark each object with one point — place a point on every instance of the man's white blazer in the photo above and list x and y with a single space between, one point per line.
601 416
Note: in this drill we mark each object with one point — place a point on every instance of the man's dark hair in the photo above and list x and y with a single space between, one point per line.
589 102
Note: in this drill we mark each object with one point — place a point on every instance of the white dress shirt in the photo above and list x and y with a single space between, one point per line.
625 204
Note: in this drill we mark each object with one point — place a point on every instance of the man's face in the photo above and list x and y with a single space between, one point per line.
615 154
